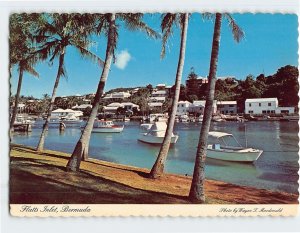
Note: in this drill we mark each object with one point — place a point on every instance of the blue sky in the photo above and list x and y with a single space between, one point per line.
270 42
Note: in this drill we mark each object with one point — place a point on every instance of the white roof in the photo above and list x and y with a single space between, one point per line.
59 110
115 104
111 108
160 92
158 98
161 85
184 102
217 134
261 100
129 103
64 110
155 104
226 102
84 106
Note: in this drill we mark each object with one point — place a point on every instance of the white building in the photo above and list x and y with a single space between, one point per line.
198 107
157 99
227 107
265 106
183 108
118 95
155 105
113 107
82 107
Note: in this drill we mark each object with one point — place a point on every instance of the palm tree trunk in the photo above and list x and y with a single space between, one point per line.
158 167
15 110
81 149
40 146
196 194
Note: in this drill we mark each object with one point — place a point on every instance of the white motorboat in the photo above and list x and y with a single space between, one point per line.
199 119
184 118
20 120
71 119
102 126
156 134
222 150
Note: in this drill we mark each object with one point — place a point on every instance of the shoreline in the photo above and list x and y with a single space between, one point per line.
40 177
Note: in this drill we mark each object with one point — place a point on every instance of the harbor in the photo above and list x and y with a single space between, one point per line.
43 172
276 169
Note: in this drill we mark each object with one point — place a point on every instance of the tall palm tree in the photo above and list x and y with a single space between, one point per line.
106 23
57 33
166 25
197 188
20 51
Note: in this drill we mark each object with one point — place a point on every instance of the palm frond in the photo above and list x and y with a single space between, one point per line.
134 22
88 54
30 70
208 16
63 72
56 52
237 32
167 23
45 50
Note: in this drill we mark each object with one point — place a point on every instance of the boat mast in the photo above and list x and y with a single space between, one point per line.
246 142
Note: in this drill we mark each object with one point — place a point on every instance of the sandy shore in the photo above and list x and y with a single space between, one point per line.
40 178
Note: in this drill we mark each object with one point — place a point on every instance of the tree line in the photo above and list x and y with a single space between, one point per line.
35 38
282 85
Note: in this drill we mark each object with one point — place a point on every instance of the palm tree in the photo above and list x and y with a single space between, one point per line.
20 51
166 25
107 23
57 33
197 188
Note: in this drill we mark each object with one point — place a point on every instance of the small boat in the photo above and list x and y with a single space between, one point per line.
236 153
21 120
126 119
199 119
102 126
71 119
156 134
184 118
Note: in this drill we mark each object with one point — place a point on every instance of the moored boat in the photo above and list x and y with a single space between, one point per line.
71 119
102 126
156 134
221 149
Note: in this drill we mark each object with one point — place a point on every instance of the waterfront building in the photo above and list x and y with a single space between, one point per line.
266 106
113 107
183 108
227 107
198 107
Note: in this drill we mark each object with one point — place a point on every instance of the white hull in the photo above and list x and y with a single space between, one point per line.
72 122
107 129
155 140
243 155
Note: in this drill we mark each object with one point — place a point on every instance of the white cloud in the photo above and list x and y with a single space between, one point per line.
122 59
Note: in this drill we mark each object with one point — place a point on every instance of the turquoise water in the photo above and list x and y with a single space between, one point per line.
276 169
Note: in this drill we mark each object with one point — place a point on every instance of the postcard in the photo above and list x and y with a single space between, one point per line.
153 114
